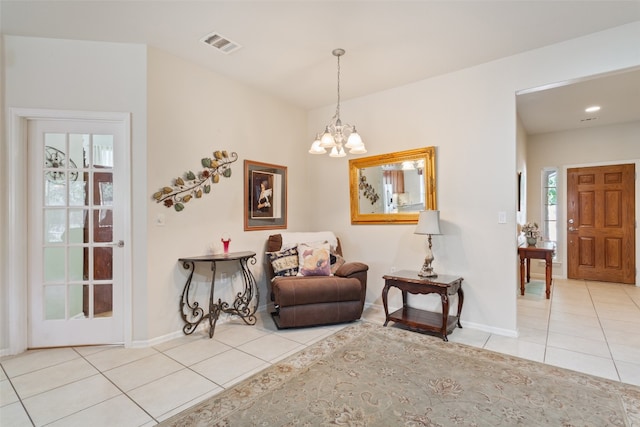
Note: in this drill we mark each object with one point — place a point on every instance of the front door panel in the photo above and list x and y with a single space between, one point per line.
601 223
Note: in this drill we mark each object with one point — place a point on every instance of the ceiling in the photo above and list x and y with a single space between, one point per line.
562 106
286 45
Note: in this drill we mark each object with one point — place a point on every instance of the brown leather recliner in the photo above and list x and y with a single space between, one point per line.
317 300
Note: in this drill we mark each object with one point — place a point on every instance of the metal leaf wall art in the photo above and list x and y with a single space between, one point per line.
192 186
368 191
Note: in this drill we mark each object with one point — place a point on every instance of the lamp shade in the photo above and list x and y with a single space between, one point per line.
428 222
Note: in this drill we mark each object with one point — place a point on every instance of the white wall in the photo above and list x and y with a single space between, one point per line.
470 116
591 146
193 112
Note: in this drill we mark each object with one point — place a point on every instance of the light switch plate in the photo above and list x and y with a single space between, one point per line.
502 217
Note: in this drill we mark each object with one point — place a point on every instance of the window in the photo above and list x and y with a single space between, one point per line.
550 205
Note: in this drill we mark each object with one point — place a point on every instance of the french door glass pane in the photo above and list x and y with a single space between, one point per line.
103 151
55 193
54 225
75 302
79 150
77 263
103 225
77 226
54 299
102 263
104 194
78 190
102 300
54 262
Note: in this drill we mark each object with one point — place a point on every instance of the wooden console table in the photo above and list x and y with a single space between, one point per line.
409 282
193 314
543 251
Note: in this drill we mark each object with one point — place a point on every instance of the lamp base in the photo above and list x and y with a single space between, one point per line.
427 271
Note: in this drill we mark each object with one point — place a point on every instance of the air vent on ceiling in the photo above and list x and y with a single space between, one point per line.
589 119
221 43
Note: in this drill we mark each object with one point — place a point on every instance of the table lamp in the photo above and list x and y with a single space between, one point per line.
429 224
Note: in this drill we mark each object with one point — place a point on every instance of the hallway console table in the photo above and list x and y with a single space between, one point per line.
193 314
409 282
526 253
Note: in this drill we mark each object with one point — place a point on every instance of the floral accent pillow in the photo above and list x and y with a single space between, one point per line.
314 259
284 263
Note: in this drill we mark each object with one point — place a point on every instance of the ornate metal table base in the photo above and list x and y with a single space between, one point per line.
193 314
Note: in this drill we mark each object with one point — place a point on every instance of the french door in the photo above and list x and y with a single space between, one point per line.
76 214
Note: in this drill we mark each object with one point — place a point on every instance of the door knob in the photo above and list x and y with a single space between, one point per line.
119 243
573 229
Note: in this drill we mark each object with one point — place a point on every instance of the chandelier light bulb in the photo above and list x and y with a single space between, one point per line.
337 152
316 148
354 140
358 150
327 140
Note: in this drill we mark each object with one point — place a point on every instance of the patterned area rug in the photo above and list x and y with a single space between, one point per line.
368 375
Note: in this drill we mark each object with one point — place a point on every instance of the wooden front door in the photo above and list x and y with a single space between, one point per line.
601 223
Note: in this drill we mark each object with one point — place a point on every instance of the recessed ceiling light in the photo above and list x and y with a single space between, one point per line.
592 109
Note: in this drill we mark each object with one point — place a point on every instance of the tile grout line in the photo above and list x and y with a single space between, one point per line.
546 336
101 372
604 334
24 408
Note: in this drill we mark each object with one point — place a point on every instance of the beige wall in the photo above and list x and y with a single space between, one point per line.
592 146
193 112
470 116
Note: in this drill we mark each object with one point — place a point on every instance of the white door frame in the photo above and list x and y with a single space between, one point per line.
17 248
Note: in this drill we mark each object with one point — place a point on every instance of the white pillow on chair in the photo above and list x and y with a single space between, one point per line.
291 239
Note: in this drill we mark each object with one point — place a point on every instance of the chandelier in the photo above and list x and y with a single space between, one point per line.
338 136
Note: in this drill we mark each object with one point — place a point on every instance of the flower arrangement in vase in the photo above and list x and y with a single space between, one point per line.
531 232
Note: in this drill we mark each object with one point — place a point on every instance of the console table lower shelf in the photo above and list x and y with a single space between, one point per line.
409 282
424 320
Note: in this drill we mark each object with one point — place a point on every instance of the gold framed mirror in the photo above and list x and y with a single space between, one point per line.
392 188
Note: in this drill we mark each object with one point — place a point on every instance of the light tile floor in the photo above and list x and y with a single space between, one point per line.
591 327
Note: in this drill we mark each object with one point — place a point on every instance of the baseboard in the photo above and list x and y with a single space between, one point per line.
177 334
512 333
